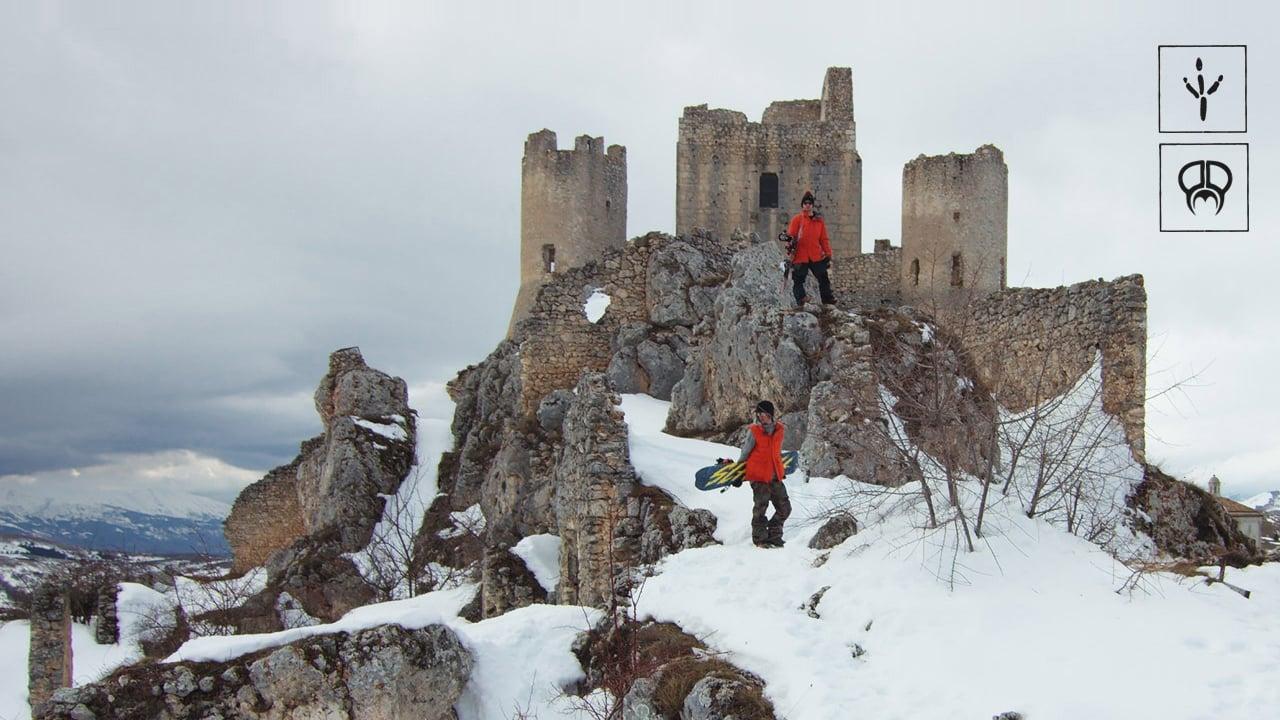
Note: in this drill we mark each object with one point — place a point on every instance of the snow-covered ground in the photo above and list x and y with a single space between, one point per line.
912 625
1035 623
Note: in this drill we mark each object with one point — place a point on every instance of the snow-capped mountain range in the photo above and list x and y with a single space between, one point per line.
1267 502
132 520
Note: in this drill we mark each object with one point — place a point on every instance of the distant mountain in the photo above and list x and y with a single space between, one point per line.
1268 503
133 521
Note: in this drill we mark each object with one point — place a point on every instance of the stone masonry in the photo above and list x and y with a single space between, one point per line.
573 207
722 160
49 656
1030 344
955 237
266 516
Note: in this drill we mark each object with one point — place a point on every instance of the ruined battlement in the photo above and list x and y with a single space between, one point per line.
955 236
732 174
573 206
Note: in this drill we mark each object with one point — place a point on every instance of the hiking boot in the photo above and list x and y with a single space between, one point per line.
765 544
774 543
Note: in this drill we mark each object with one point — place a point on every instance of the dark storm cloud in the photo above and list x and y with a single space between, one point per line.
199 202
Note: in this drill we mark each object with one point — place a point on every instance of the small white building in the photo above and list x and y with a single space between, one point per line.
1248 520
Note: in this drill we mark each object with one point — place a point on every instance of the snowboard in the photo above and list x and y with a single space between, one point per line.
720 476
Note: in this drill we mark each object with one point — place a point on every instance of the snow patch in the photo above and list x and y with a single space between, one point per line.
393 430
541 554
596 304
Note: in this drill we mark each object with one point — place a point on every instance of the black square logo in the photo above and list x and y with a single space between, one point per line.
1204 187
1203 88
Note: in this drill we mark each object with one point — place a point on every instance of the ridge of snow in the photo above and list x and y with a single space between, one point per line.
541 554
37 500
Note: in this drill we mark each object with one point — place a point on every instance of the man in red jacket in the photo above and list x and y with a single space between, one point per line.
812 253
763 454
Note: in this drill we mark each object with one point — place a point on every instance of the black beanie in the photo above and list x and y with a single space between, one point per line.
808 198
765 406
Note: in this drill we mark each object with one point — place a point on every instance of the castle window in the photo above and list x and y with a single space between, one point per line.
606 206
915 272
768 190
955 216
957 270
549 258
1004 283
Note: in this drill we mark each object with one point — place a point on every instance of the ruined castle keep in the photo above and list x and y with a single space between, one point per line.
734 174
955 219
573 206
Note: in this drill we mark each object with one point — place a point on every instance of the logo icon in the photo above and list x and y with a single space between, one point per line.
1199 92
1205 189
1203 89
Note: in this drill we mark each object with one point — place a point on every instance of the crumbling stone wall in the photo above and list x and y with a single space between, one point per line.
608 522
807 144
868 279
49 656
266 516
1030 344
955 237
556 341
107 629
573 207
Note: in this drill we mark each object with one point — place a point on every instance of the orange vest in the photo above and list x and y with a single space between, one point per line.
764 464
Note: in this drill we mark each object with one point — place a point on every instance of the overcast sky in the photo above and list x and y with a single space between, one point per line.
199 201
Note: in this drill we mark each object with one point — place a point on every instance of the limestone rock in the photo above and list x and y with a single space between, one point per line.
748 355
662 367
712 698
334 484
381 673
681 281
638 703
833 532
1187 522
507 584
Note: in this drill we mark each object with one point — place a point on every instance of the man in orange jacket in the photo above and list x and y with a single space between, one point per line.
812 253
762 453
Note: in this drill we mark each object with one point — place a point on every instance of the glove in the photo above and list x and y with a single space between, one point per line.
737 483
723 461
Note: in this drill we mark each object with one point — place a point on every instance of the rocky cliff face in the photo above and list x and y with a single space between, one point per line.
301 518
383 673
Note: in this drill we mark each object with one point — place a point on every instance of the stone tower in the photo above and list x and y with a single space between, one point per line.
731 173
955 220
573 205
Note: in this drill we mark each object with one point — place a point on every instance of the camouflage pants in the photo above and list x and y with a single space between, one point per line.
768 530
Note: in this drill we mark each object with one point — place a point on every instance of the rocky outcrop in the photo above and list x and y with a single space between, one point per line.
507 583
1187 522
333 485
301 519
607 521
748 349
834 531
368 449
383 673
660 671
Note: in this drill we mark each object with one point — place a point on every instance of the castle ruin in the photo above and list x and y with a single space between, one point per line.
734 174
573 206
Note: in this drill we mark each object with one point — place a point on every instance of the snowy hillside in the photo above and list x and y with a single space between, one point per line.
1267 502
895 622
131 520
